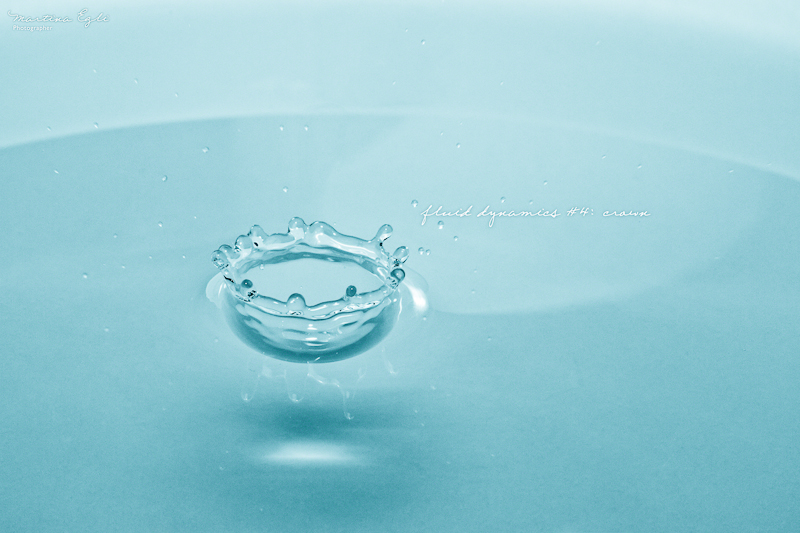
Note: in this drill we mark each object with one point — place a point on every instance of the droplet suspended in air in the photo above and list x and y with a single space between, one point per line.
502 199
458 145
135 81
422 42
164 178
305 128
281 128
414 203
421 250
428 251
205 149
455 237
286 189
85 275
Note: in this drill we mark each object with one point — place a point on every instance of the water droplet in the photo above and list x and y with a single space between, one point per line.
530 202
422 42
545 183
305 128
455 237
421 250
261 266
406 30
473 291
414 203
501 83
394 83
428 252
281 128
115 235
458 145
160 225
489 339
176 95
183 256
96 125
56 171
351 291
440 224
503 200
730 171
136 81
106 330
604 156
164 178
205 149
94 70
85 275
48 128
286 189
247 284
640 166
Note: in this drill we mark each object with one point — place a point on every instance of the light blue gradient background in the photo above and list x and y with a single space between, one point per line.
577 374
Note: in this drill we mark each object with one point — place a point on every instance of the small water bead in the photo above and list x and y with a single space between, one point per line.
421 250
458 145
440 224
604 156
247 284
164 178
455 237
545 183
399 256
640 166
305 128
286 189
503 200
176 95
261 266
135 81
414 203
281 128
48 128
351 291
115 235
85 275
96 125
422 42
205 149
56 171
428 251
160 224
106 330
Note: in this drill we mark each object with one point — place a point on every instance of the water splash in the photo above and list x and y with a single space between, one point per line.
293 330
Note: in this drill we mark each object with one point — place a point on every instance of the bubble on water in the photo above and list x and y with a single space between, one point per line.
85 275
421 250
205 149
285 189
261 266
414 203
164 178
440 224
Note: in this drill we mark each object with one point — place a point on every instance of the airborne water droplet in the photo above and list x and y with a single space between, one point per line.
455 237
96 125
160 224
85 275
422 42
428 252
440 224
205 150
503 200
286 189
281 128
414 203
305 128
164 178
458 145
421 250
136 81
56 171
